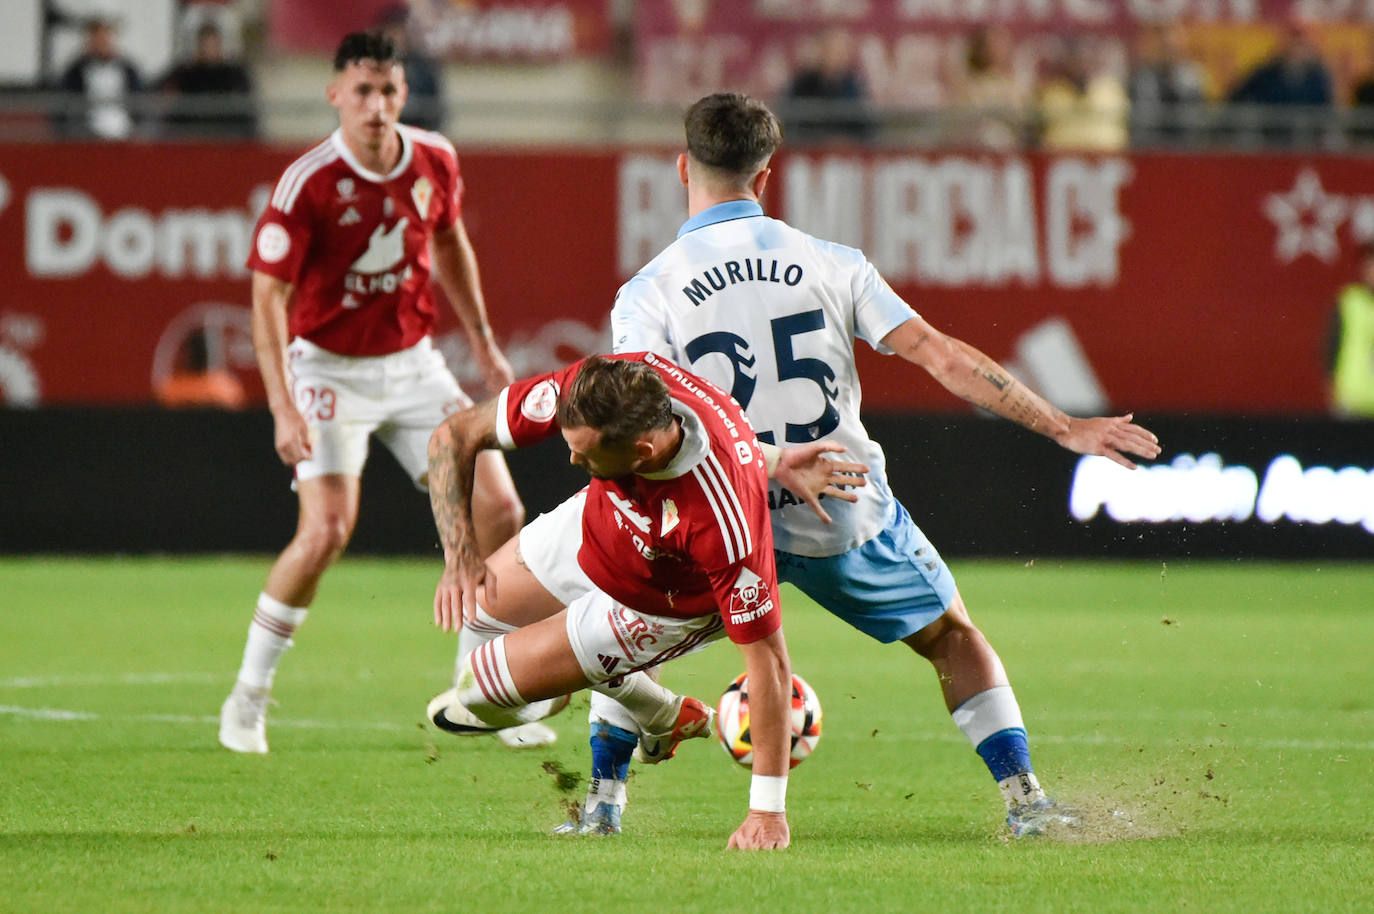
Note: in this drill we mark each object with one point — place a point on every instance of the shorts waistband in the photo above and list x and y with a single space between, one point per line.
419 352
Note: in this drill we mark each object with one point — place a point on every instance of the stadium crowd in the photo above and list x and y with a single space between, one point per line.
1279 83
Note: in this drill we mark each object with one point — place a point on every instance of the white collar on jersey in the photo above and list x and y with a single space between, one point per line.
695 445
407 152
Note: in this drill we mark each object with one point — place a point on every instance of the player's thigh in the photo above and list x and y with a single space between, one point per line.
547 547
340 405
513 594
541 660
889 588
610 639
420 393
493 490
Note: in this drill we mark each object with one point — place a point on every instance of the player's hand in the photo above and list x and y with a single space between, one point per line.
496 370
291 436
763 831
804 472
456 596
1112 437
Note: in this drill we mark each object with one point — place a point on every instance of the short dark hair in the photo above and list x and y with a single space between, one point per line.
619 398
732 133
359 46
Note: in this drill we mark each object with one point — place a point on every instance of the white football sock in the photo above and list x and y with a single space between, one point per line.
269 635
988 712
608 710
652 707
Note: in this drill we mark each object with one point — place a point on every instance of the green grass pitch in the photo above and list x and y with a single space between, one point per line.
1215 722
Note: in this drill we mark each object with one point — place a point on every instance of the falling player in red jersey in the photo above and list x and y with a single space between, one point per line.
669 548
343 310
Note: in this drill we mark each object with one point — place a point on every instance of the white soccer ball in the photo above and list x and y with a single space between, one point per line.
732 721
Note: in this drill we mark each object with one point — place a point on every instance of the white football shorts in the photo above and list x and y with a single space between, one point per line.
401 398
608 637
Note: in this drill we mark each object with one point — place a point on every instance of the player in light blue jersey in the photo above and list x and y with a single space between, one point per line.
772 314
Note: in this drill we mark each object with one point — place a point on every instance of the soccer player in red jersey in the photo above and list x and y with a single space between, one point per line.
343 310
668 548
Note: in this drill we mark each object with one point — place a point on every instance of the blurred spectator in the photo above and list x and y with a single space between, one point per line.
1081 105
1362 111
100 86
1166 88
424 78
1296 76
995 103
1350 350
209 96
195 383
826 99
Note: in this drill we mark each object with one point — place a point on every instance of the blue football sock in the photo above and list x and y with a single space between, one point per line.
1006 753
612 748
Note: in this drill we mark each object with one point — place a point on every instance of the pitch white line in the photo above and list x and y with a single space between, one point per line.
65 715
48 682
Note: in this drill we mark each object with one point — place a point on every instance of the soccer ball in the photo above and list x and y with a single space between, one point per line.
732 721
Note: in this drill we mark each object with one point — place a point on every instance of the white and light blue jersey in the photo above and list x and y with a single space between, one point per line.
771 314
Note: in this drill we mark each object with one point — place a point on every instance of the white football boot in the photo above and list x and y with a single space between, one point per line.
447 713
243 720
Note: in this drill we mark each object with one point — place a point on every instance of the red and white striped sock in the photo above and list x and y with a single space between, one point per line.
269 636
485 686
477 633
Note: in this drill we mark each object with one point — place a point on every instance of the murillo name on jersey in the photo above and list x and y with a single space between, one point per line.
751 269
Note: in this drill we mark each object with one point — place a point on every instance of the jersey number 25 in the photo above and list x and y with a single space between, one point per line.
741 356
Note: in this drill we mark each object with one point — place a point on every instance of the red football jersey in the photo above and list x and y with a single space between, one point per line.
693 540
356 243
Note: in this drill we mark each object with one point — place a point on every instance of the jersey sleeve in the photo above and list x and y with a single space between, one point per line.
452 196
280 241
527 411
877 309
747 594
638 321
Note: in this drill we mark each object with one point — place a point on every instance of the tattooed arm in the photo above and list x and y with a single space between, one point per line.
453 450
970 374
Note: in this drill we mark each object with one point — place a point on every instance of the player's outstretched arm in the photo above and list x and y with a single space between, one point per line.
270 299
770 688
453 450
455 268
969 373
805 473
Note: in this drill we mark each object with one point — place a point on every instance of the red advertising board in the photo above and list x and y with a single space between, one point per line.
1199 284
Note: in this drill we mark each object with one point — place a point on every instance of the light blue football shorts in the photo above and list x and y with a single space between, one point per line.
890 587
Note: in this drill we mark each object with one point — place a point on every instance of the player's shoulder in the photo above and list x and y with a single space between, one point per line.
430 143
794 237
300 173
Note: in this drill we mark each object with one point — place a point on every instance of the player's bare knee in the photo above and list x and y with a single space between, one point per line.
944 636
323 539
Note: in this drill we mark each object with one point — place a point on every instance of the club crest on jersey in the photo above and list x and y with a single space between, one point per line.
541 403
670 518
347 189
749 600
350 217
422 192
